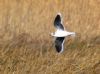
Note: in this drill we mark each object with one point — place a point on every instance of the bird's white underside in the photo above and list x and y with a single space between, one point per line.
62 33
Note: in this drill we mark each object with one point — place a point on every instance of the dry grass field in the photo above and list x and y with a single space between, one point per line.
25 41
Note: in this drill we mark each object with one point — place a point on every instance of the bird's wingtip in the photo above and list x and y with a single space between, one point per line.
59 13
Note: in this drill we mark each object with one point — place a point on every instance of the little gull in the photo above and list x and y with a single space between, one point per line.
60 34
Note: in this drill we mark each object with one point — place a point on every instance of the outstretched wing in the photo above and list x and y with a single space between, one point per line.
57 22
59 43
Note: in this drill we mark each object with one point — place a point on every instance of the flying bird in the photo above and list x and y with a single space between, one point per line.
60 33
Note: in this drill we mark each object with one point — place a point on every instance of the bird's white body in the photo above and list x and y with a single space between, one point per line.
62 33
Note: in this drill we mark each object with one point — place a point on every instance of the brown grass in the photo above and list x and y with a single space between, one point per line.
26 46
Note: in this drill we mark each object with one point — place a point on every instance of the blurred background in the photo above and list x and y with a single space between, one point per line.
26 44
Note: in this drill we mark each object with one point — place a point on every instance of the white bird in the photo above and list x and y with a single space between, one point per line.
60 34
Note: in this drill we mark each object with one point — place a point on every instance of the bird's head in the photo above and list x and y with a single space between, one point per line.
52 34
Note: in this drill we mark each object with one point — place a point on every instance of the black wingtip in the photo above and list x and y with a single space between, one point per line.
58 17
58 49
58 22
59 44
